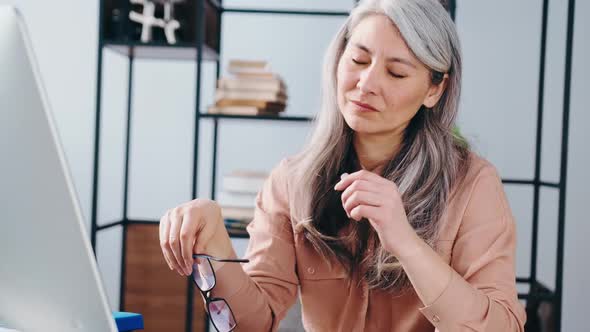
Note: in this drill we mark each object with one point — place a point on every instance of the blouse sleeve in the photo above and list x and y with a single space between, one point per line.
261 292
481 295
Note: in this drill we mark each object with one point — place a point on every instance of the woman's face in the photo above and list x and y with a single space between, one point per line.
380 83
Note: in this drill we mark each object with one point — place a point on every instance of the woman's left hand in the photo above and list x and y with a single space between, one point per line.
368 195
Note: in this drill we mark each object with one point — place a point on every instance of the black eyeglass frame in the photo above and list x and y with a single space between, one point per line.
207 294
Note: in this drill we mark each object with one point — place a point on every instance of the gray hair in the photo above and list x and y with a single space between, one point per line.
430 162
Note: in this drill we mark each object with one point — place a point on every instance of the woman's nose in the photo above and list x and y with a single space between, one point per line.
368 79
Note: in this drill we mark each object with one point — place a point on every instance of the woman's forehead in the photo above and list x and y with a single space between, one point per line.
377 33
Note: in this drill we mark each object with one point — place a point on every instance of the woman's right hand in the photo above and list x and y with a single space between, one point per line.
193 227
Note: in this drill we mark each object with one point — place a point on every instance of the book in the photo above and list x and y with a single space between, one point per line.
268 105
252 84
250 95
243 110
244 181
256 75
243 63
237 232
249 67
237 213
237 199
236 224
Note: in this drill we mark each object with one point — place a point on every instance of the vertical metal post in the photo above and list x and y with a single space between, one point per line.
215 123
453 9
215 120
563 167
539 141
126 183
96 162
200 22
214 166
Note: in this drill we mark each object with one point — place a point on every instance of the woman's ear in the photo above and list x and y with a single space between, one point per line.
435 92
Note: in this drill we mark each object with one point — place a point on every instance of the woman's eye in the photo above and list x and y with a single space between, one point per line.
358 62
396 75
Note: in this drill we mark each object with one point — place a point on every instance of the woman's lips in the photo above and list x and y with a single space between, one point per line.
364 107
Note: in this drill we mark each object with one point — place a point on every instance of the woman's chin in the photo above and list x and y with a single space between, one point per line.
360 125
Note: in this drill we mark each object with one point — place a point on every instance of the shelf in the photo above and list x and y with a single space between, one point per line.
285 12
156 222
257 117
109 225
536 296
237 235
531 182
161 50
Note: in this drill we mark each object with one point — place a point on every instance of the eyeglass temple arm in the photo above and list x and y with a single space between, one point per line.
222 260
231 260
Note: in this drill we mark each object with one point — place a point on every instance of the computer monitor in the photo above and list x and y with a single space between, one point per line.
49 280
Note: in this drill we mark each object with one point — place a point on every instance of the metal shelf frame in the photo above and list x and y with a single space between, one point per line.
537 292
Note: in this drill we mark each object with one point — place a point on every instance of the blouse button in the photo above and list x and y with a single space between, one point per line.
310 270
435 319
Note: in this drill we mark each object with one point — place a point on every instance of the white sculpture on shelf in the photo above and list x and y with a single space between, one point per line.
148 20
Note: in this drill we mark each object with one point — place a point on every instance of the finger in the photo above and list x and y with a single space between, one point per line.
362 185
163 237
175 224
188 234
165 243
348 179
361 198
169 261
366 211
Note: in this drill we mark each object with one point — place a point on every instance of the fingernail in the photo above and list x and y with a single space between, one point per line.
343 175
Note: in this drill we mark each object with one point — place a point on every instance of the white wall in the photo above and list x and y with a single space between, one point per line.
500 44
576 271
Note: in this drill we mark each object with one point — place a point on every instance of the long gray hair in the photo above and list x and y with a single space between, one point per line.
428 164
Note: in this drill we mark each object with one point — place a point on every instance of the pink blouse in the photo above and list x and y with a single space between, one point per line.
478 241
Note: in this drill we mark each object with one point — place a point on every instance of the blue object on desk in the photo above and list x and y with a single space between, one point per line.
128 321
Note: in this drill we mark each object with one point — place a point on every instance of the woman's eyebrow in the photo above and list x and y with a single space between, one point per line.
390 59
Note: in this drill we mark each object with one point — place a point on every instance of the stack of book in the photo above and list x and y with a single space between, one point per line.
238 198
251 88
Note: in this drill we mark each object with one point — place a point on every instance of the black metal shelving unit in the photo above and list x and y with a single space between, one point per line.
199 52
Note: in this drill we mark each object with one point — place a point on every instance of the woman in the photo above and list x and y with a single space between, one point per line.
386 221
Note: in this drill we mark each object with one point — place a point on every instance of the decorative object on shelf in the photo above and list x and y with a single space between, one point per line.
251 88
161 29
148 20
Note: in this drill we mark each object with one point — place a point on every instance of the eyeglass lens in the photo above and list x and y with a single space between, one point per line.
218 309
203 274
221 316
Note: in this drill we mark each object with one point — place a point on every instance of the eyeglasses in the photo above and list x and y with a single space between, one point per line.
203 275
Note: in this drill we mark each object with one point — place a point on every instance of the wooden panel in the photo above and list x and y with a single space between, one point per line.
152 289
